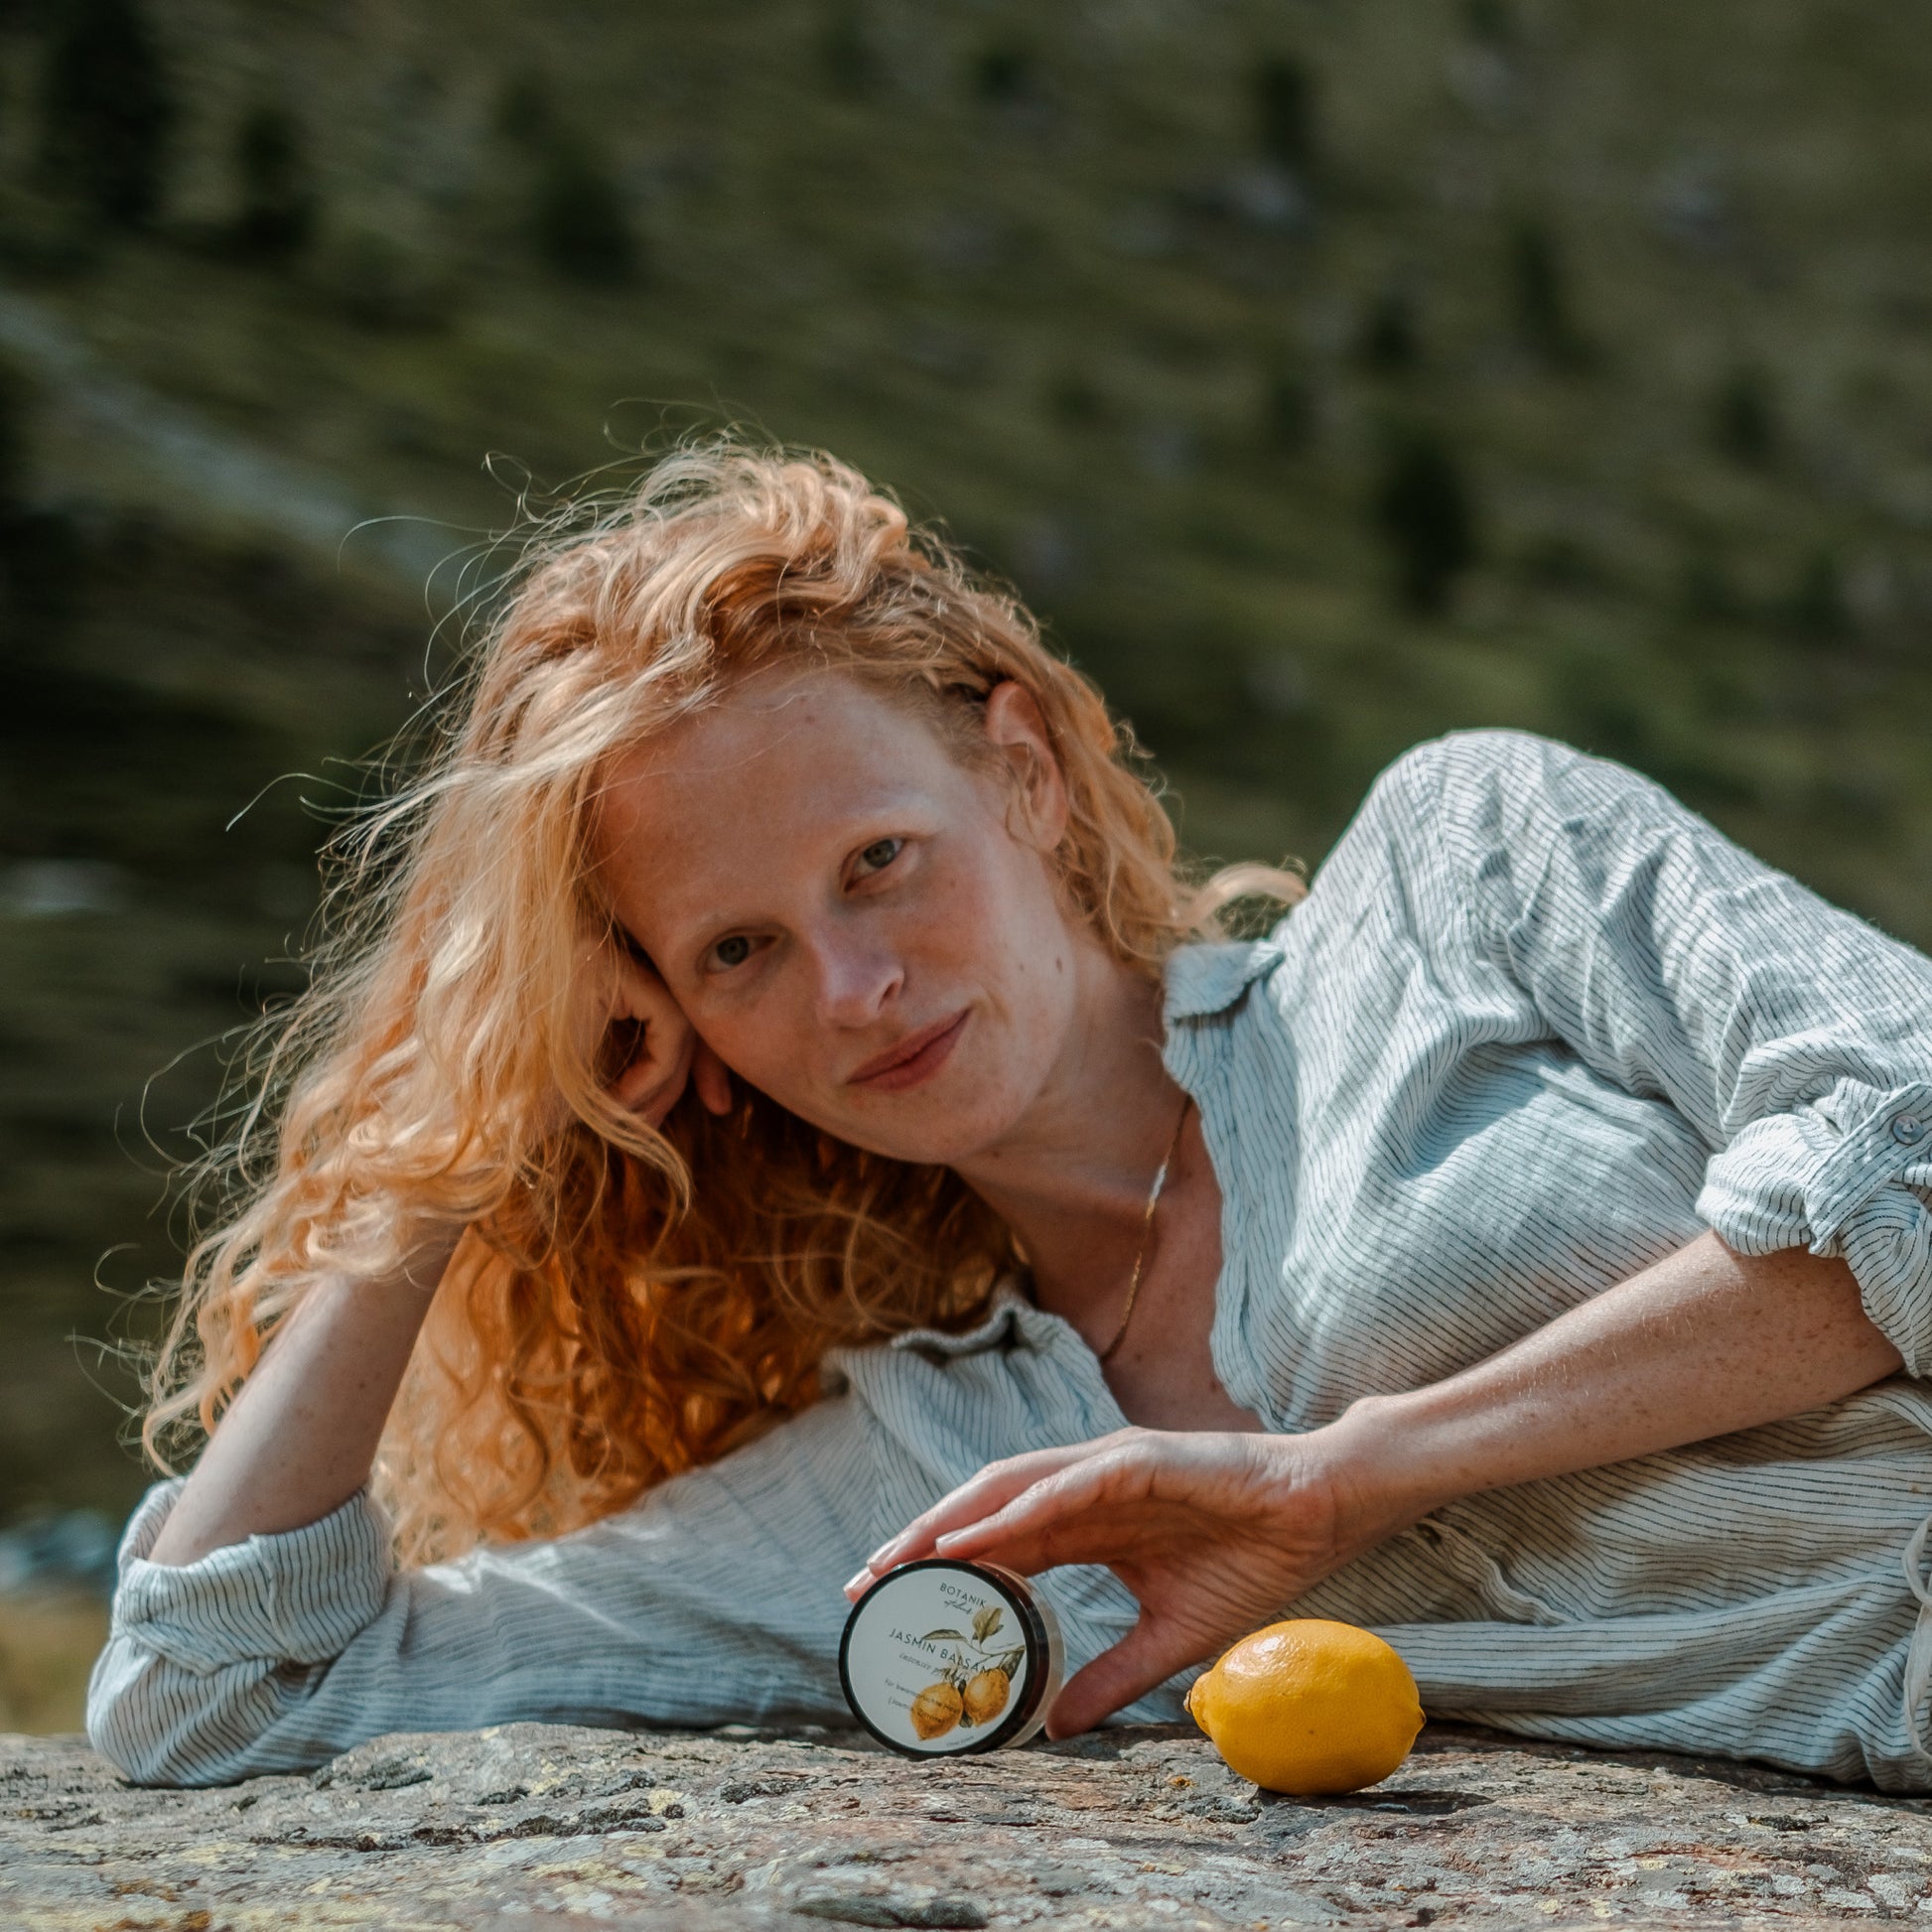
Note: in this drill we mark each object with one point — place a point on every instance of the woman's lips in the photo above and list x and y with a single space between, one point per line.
914 1061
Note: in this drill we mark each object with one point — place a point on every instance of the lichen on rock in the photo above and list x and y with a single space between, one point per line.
547 1826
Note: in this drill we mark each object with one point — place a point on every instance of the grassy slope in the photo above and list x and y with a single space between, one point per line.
173 686
1046 318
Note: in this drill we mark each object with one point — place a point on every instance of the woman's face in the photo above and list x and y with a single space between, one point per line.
854 920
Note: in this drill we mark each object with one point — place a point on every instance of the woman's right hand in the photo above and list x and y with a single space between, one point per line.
1214 1532
649 1052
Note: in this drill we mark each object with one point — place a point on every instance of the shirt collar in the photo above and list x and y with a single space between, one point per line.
1008 1307
1009 1318
1203 979
1200 981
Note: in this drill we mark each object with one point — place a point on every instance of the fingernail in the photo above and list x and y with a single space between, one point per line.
880 1555
855 1584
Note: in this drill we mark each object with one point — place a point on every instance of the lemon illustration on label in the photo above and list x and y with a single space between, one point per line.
985 1695
937 1709
977 1684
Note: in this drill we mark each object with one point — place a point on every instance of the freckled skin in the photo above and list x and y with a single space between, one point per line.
743 825
751 823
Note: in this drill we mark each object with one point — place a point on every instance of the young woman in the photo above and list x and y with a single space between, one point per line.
774 1111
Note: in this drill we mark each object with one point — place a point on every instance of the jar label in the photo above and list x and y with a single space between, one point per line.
937 1658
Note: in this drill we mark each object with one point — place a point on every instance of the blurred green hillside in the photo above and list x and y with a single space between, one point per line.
1327 376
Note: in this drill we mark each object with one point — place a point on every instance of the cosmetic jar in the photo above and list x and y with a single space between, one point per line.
942 1658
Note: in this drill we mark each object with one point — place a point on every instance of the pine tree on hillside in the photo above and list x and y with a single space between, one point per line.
39 564
1391 332
1815 608
845 52
1493 22
276 216
1288 404
1426 514
582 226
107 110
1005 73
1744 417
1538 293
13 443
1282 93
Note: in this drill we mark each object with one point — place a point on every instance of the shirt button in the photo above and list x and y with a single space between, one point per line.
1908 1130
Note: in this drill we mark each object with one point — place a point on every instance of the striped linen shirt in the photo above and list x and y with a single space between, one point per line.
1535 1026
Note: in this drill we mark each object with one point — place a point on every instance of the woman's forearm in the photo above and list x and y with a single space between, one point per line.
1705 1342
302 1434
1217 1530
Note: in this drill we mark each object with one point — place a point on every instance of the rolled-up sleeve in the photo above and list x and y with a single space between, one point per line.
1845 1176
302 1595
1793 1035
717 1597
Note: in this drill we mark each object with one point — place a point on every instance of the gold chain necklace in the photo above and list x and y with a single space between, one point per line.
1147 1231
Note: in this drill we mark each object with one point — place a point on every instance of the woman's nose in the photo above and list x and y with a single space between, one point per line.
856 981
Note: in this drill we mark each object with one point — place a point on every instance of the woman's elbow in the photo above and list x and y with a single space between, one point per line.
159 1724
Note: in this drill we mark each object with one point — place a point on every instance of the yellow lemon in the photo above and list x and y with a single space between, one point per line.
1309 1706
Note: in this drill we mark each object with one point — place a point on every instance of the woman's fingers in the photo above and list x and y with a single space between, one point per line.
989 1491
1142 1661
1006 1512
643 1049
712 1079
1208 1532
666 1048
1031 1551
649 1086
1044 1504
1212 1531
985 1492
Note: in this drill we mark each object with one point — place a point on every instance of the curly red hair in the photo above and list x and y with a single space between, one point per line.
627 1303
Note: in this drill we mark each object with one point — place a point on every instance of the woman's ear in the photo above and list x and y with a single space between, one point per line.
1015 728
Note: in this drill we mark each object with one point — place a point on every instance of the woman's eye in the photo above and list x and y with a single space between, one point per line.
880 854
734 951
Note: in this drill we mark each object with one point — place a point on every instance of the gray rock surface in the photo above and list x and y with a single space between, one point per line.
542 1827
